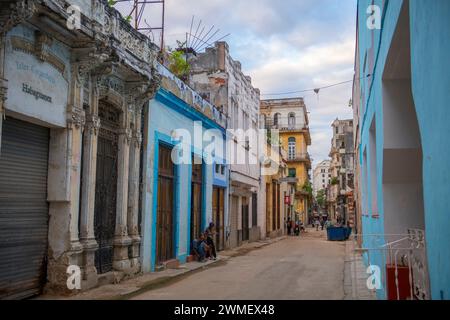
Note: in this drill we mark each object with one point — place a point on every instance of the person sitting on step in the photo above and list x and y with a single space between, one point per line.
200 248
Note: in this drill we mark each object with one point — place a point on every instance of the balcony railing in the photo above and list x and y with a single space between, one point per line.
286 128
290 180
402 261
299 157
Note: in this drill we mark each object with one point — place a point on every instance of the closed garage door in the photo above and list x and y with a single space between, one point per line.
23 208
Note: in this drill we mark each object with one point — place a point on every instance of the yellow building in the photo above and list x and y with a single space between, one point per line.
274 174
290 118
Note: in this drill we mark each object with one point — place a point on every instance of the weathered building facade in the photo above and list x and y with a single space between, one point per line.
275 169
72 102
220 80
181 174
290 118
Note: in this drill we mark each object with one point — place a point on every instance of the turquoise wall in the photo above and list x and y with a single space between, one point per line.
430 47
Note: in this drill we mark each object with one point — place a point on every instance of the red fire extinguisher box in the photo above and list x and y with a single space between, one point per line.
404 287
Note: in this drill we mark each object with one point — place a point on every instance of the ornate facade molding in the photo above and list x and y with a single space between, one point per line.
38 49
144 91
17 12
3 95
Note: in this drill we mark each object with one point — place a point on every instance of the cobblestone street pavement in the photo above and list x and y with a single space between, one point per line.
306 267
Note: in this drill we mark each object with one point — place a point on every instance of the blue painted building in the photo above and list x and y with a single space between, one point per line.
402 89
180 171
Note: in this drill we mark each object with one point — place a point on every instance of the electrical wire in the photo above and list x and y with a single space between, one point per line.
316 90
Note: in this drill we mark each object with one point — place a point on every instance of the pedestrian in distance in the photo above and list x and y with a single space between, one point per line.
289 226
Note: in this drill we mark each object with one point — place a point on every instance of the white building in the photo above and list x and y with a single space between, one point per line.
321 176
220 80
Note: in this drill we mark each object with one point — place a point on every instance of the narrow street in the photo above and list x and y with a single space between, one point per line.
308 267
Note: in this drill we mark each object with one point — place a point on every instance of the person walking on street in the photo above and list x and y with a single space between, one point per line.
289 226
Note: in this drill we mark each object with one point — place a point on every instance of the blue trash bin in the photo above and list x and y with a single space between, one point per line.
348 233
336 234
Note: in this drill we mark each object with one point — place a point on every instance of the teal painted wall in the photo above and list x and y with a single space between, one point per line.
430 47
430 50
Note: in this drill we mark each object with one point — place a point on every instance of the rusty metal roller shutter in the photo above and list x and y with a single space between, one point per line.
23 209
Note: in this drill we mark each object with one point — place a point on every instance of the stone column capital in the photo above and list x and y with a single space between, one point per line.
127 133
3 94
137 139
76 117
92 124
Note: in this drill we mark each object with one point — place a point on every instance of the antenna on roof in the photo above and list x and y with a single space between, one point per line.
199 41
138 9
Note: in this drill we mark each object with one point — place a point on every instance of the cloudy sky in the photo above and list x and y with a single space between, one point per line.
284 46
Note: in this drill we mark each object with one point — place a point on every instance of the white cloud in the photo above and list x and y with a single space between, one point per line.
284 46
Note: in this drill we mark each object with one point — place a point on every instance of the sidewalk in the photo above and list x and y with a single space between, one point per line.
355 276
150 281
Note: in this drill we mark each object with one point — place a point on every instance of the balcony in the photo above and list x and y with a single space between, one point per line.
290 180
293 128
299 157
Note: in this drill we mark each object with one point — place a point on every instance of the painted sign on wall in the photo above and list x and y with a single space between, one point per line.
37 71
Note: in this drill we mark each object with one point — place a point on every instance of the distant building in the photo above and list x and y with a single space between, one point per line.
342 173
290 117
321 176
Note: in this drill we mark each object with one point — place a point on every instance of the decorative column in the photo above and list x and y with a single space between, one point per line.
65 248
87 235
133 192
121 239
75 136
90 138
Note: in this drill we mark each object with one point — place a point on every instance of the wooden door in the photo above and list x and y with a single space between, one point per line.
278 207
218 216
221 220
165 211
268 210
274 207
245 231
196 200
254 210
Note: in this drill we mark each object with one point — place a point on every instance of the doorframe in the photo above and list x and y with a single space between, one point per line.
214 216
197 153
165 140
